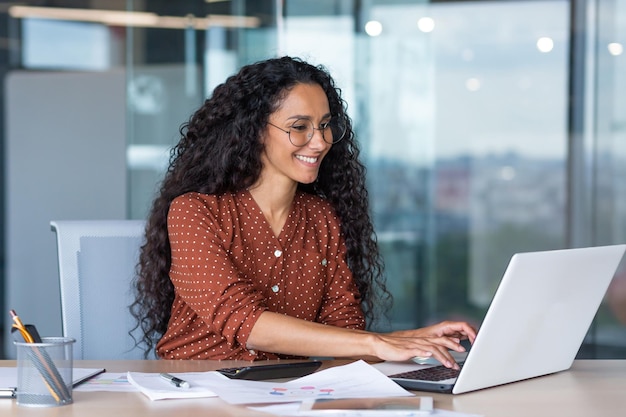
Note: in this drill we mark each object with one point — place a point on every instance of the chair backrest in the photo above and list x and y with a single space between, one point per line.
97 262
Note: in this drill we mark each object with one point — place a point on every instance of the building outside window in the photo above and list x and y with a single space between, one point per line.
487 128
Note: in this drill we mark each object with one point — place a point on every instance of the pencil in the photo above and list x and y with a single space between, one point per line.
44 364
20 326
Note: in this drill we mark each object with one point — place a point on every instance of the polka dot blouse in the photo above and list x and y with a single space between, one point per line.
228 267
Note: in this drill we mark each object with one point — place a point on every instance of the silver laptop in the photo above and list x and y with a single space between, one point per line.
536 322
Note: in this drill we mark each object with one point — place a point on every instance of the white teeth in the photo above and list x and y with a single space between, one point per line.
306 159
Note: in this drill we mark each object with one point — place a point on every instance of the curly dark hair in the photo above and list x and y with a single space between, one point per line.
220 152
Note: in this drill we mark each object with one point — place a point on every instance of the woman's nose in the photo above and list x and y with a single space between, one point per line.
317 140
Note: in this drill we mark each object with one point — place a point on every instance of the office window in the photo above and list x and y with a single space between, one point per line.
462 111
487 127
51 44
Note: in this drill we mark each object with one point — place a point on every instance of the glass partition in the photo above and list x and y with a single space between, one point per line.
607 150
463 111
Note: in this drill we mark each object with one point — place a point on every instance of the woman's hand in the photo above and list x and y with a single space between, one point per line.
456 329
433 341
274 332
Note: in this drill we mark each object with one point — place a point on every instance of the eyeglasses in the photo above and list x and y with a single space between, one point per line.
302 131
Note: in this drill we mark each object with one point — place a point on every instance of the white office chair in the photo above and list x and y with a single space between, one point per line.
97 261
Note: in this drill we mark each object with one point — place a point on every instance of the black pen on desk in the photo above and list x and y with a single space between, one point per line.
7 392
177 382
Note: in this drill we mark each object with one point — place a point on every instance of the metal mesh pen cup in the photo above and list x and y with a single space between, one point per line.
44 372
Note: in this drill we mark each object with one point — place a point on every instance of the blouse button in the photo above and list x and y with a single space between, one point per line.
277 253
275 288
324 262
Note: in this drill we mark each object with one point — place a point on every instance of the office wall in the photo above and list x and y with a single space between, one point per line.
66 159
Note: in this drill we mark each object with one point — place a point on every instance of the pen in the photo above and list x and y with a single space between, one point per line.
7 392
177 382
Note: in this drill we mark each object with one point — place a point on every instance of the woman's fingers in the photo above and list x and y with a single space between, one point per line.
437 341
442 352
457 329
402 348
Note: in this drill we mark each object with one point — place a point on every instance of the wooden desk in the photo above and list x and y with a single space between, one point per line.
591 388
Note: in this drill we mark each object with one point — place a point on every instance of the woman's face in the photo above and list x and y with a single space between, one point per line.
305 103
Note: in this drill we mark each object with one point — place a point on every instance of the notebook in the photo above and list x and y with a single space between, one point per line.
536 322
8 379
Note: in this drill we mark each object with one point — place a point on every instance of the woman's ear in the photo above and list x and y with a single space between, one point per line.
263 136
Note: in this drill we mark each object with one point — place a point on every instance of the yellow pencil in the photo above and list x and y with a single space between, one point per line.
29 339
20 326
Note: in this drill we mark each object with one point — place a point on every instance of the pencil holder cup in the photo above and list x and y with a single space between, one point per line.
44 372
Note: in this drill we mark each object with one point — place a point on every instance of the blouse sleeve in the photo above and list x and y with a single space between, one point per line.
202 273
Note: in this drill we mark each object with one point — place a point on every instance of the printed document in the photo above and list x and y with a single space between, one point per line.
355 380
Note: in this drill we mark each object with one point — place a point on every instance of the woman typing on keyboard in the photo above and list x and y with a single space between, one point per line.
260 244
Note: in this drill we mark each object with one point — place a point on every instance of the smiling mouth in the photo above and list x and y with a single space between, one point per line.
307 159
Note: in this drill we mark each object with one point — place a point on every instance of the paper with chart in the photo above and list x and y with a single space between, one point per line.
108 381
293 409
355 380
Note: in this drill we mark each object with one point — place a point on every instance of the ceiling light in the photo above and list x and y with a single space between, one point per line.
137 19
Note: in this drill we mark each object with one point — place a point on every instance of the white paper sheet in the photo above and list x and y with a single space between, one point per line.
157 388
292 409
355 380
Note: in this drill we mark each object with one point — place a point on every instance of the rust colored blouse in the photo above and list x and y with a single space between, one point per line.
228 267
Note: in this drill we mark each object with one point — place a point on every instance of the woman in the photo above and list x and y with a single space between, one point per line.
260 244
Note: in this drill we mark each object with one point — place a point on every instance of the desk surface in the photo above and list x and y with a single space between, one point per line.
589 388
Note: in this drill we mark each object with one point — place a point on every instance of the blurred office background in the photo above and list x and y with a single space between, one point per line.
488 128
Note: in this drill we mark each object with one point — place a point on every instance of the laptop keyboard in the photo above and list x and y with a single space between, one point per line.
435 373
